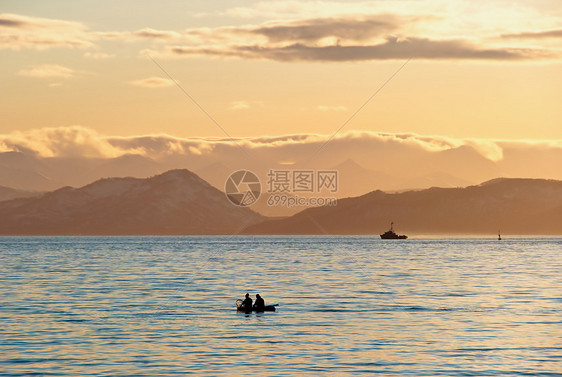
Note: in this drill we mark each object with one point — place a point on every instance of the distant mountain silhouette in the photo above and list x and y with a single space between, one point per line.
129 165
355 180
8 193
25 172
176 202
434 179
516 206
396 162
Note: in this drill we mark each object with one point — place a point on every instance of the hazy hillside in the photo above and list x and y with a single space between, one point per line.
23 172
7 193
176 202
516 206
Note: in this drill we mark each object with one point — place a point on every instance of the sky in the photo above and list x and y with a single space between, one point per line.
489 70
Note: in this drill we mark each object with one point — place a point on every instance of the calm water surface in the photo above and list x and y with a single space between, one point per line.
148 306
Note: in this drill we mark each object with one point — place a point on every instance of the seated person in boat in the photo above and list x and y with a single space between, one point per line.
259 305
247 304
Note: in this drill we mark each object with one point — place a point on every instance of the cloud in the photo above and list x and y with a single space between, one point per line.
452 19
47 71
352 29
153 82
73 141
392 48
156 34
7 20
141 34
306 30
301 146
17 32
555 33
490 149
378 36
323 31
159 146
331 31
239 105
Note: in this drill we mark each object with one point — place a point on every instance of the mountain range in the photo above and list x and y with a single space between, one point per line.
388 162
514 206
180 202
176 202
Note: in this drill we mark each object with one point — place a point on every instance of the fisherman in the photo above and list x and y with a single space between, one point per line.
247 304
259 305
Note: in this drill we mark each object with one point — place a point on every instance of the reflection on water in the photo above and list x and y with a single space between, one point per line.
165 305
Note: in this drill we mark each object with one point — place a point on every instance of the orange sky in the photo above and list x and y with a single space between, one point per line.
478 69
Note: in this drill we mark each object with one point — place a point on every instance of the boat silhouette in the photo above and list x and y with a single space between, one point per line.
267 308
390 235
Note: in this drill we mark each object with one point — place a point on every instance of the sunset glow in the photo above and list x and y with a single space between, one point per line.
478 69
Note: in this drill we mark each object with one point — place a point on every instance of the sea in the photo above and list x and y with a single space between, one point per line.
347 305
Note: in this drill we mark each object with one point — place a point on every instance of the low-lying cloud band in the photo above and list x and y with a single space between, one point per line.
78 141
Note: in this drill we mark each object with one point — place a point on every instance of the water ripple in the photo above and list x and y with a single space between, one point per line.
145 306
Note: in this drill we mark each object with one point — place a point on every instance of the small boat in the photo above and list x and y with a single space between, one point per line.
240 308
390 235
499 236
